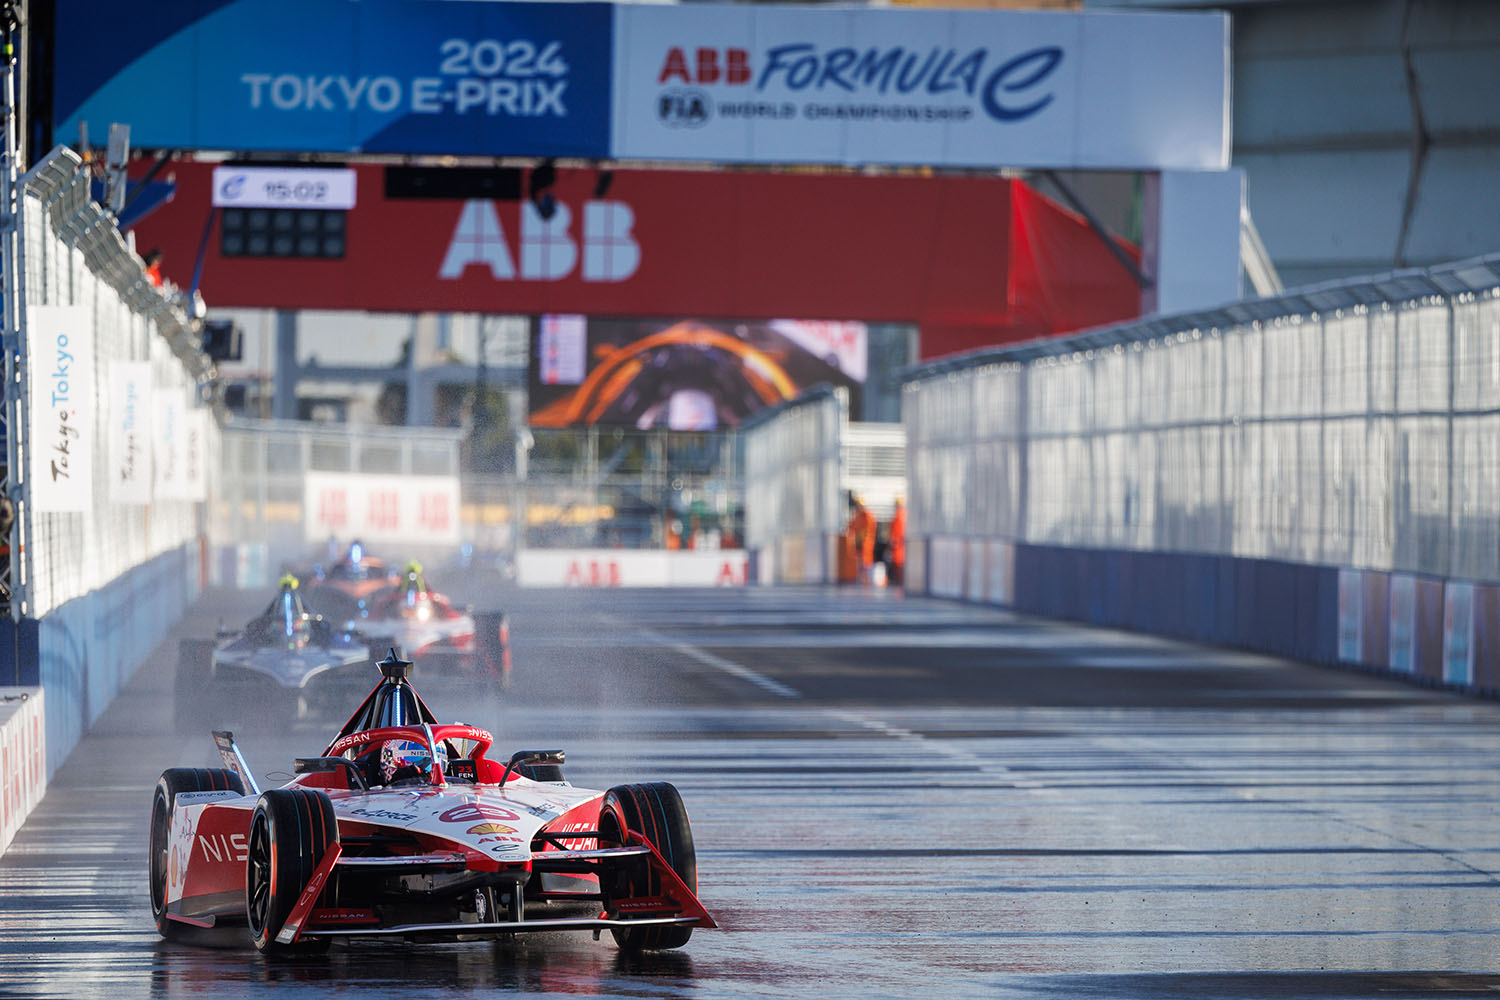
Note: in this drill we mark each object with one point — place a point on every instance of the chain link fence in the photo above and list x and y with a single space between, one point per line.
1316 474
71 254
793 472
1354 425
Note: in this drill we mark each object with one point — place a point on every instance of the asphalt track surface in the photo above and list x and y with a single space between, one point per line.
891 798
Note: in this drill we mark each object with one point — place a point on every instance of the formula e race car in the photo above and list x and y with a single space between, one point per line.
339 592
282 649
404 828
424 624
390 609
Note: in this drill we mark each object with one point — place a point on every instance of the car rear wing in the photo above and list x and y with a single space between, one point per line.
234 760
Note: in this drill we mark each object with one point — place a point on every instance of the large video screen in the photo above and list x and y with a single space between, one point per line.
685 374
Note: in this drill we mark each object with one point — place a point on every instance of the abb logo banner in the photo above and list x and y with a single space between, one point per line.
409 510
631 568
605 248
664 243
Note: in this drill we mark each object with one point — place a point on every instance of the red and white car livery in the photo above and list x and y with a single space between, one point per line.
405 828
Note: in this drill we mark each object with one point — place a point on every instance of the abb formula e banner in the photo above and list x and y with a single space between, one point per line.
740 83
397 76
755 83
971 260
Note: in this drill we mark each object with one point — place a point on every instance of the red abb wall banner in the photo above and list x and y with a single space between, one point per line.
971 260
23 759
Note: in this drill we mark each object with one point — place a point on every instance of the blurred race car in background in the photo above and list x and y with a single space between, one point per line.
339 591
282 649
404 828
425 626
366 597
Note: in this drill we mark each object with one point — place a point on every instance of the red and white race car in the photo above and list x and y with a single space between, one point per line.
405 828
384 608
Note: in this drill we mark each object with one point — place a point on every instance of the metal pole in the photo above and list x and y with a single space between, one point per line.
11 293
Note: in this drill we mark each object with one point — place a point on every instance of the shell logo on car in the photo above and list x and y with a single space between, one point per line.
491 828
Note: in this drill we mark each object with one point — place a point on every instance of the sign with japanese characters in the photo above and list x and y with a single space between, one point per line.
409 510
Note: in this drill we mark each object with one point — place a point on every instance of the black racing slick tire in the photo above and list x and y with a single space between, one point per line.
290 832
172 783
656 812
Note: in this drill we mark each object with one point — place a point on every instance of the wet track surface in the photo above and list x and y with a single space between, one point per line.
890 798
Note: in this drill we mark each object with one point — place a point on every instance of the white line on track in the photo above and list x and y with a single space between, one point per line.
739 670
708 659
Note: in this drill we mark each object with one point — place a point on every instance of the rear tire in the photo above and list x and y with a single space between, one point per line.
173 782
290 832
655 811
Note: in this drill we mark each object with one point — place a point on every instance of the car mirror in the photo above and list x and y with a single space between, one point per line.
532 757
323 765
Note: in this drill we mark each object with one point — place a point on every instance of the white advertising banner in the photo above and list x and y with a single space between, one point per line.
195 455
1351 623
130 438
1403 624
631 568
945 577
773 84
1458 632
60 346
409 510
170 406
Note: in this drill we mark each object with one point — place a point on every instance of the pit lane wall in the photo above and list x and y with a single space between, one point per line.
107 457
1314 475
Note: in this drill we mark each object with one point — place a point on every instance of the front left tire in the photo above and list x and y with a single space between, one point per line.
290 831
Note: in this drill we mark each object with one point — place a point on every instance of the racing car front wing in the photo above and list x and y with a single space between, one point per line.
307 921
505 927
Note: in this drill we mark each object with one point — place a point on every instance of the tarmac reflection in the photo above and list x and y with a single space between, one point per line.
578 967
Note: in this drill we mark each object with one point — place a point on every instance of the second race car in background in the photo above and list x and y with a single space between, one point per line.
280 651
401 610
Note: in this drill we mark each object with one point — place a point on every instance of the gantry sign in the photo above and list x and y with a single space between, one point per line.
731 84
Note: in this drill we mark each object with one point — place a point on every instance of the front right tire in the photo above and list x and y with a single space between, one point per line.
655 811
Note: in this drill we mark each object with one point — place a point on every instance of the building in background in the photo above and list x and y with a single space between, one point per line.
1367 129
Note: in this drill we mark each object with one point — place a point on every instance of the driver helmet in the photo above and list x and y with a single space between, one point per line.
289 611
396 755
